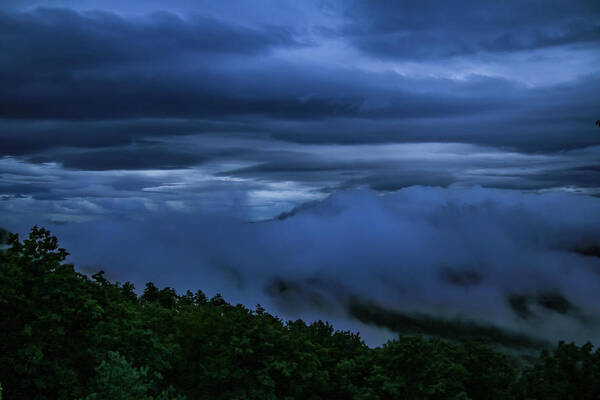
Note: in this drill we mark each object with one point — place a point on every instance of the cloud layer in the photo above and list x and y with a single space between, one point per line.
494 257
433 29
101 86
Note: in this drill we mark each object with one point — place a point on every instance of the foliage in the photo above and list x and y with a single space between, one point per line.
69 336
570 372
117 379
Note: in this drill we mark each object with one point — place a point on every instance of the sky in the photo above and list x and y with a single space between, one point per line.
314 144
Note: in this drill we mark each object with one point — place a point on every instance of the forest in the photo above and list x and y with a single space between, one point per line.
66 335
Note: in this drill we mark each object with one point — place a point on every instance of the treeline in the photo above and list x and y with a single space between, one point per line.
66 336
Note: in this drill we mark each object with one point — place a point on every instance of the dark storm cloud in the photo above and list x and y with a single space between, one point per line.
55 39
398 179
99 91
268 89
434 29
137 157
494 112
486 112
23 137
479 110
384 175
58 63
294 164
99 79
586 176
24 188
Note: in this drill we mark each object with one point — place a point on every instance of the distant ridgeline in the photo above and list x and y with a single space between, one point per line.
64 335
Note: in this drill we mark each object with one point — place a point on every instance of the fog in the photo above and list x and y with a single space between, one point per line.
494 257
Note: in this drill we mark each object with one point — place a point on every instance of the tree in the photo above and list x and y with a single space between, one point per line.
117 379
569 372
45 313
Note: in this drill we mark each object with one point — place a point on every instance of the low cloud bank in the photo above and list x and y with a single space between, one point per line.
523 262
